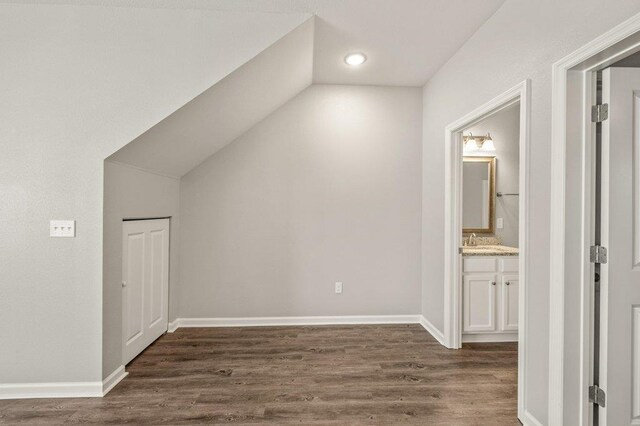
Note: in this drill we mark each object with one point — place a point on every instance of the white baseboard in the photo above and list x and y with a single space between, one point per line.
113 379
50 390
432 329
297 321
173 325
62 389
293 321
490 338
529 420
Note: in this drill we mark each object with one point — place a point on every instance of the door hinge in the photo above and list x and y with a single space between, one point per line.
599 113
597 396
598 254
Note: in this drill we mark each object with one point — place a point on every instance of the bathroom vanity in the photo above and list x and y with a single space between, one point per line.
490 287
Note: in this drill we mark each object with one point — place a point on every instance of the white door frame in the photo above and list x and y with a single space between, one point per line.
453 221
612 46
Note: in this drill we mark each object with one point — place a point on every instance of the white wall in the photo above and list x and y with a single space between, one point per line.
520 41
325 189
504 127
130 193
77 84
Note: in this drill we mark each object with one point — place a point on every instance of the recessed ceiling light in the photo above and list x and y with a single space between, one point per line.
355 59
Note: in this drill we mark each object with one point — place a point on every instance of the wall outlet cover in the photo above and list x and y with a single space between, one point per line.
500 223
62 228
338 288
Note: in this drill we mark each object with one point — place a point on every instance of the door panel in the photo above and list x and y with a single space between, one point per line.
510 287
620 277
145 284
135 284
156 287
635 414
479 310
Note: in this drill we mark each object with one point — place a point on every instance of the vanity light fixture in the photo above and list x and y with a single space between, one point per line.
355 59
470 146
488 145
478 145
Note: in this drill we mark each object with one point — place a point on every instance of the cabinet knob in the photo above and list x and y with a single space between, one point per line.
507 282
493 283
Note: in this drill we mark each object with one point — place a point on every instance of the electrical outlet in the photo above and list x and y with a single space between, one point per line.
338 288
62 228
500 223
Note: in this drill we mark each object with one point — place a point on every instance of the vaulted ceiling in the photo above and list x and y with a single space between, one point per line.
227 109
406 41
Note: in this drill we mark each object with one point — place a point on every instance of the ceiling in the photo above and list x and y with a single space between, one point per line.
227 109
406 41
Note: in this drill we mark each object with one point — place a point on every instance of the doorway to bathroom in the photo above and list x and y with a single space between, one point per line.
486 231
490 224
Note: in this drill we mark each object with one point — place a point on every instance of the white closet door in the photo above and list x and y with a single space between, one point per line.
145 283
620 277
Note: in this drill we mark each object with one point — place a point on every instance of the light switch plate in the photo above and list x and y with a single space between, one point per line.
338 288
62 228
500 223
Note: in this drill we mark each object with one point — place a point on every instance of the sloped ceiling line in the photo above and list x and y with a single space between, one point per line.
227 109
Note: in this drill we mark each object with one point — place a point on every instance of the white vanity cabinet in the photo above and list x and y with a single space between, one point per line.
490 287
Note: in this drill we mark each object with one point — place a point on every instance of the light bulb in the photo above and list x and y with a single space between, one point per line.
488 146
355 59
470 146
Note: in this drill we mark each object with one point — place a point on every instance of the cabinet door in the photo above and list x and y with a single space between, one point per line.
510 287
479 295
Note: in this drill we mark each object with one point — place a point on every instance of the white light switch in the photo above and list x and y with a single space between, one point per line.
338 288
62 228
500 223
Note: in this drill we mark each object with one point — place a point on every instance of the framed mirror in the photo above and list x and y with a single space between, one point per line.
478 195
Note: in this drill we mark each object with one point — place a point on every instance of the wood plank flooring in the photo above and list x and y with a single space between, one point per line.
320 375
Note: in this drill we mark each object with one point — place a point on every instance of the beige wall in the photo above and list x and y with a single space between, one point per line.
326 189
521 40
131 193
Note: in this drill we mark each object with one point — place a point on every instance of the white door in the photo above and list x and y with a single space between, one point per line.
479 297
145 283
620 276
509 312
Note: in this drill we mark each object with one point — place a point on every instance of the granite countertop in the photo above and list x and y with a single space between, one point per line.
489 250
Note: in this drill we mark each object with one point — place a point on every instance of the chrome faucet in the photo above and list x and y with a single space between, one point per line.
472 240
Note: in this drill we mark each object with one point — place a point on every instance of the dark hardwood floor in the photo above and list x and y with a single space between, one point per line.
329 375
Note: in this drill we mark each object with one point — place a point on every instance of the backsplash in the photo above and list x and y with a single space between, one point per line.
486 241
